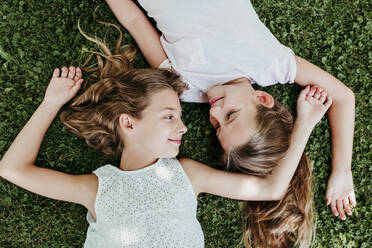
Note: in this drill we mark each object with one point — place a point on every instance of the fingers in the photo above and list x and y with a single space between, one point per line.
347 206
328 199
78 74
323 97
71 72
304 93
312 91
328 102
329 196
56 72
340 209
333 208
352 199
64 72
318 93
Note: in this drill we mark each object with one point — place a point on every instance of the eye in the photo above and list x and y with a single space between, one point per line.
230 113
169 117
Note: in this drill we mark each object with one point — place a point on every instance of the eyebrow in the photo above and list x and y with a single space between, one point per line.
171 109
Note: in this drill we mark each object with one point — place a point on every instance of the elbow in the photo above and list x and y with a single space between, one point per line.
344 95
271 194
278 194
2 170
344 98
7 172
349 96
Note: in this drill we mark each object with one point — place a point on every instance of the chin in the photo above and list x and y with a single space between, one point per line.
212 92
174 153
169 154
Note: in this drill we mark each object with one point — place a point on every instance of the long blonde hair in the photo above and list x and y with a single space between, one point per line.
274 224
113 88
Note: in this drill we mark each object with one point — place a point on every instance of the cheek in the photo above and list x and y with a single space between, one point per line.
223 144
162 133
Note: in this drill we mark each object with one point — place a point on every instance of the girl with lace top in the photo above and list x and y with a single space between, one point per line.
220 48
150 199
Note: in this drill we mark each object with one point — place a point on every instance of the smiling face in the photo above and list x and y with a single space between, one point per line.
159 131
233 111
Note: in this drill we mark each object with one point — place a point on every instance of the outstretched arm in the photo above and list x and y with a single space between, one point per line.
17 165
272 187
241 186
137 24
340 189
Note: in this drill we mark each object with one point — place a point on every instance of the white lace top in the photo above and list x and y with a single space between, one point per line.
212 42
150 207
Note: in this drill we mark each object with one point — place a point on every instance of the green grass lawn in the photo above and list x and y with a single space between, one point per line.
37 36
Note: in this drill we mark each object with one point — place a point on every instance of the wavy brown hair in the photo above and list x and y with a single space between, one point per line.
113 88
274 224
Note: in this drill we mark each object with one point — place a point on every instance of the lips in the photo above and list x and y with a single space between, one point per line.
177 141
214 100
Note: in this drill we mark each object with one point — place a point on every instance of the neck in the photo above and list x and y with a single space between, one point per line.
135 159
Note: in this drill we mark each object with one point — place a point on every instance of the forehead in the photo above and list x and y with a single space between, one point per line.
163 99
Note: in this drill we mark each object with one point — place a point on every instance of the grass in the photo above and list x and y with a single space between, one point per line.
37 36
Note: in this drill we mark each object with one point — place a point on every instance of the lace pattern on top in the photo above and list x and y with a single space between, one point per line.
151 207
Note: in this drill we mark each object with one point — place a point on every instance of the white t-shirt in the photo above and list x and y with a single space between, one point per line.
212 42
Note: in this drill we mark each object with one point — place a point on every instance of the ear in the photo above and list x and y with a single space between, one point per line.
264 98
126 123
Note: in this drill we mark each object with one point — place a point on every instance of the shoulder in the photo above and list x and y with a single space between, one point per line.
197 173
89 187
193 166
92 184
197 169
103 176
105 170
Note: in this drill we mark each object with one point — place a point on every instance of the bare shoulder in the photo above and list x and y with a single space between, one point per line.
190 166
196 173
89 183
89 187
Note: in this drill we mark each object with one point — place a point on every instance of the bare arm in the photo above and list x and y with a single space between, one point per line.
17 165
246 187
341 117
341 114
137 24
273 186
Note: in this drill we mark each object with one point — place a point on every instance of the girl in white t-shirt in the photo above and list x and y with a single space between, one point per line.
150 200
220 48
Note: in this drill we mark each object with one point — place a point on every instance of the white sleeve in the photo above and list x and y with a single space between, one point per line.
281 69
166 64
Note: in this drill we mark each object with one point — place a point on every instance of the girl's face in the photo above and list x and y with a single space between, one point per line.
159 131
233 111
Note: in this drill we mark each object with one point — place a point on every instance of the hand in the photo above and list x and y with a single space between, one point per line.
340 193
63 87
312 104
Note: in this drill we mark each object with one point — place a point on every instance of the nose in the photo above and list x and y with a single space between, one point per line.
215 113
182 128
